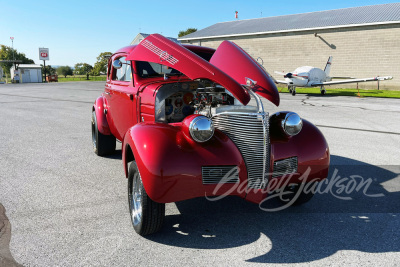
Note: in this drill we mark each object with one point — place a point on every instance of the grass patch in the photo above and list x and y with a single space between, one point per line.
344 92
81 78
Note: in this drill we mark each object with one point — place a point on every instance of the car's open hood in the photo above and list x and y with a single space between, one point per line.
158 49
239 65
229 66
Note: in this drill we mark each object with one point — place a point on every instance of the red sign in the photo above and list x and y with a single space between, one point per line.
44 54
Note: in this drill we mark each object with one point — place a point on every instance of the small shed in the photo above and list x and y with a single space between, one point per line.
27 73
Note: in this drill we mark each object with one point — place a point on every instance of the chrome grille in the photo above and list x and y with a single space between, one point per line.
220 174
284 166
249 131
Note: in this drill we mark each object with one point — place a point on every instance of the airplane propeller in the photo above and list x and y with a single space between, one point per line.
287 75
280 73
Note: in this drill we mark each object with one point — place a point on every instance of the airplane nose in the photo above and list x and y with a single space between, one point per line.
288 75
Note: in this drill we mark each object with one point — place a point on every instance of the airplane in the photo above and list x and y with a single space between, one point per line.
308 76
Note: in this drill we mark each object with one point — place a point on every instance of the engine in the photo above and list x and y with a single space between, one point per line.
176 101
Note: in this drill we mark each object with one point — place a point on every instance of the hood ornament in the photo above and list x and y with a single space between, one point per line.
250 83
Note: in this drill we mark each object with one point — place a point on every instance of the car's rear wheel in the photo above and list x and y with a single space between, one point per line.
290 194
147 215
102 144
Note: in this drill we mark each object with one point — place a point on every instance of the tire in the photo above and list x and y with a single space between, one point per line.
102 144
301 199
147 216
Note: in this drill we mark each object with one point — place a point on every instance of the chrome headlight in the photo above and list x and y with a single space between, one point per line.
292 124
201 129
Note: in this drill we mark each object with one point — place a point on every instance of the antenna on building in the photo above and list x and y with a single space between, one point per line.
236 15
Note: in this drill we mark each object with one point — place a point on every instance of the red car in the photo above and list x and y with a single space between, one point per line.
192 124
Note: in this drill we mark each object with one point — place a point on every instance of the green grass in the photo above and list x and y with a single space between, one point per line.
344 92
81 78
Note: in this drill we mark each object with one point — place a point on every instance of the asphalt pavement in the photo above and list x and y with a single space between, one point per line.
68 207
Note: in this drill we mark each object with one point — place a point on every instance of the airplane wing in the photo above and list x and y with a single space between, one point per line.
337 77
354 81
280 81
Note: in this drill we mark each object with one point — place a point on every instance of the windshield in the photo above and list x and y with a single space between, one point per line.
149 69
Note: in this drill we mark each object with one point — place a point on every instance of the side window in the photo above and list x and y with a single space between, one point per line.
123 74
128 72
109 69
150 69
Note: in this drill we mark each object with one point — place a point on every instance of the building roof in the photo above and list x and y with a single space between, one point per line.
29 66
347 17
141 36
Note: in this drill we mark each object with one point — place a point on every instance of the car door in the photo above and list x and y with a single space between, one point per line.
121 97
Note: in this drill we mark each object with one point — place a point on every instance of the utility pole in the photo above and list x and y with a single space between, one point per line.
12 47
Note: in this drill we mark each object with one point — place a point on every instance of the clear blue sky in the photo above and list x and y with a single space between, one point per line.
78 31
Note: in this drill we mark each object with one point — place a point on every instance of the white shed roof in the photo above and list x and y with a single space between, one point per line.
29 66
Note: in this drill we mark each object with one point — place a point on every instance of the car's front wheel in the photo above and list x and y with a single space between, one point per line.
147 215
102 144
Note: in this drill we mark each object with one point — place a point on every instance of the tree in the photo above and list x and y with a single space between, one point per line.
49 70
64 70
188 31
6 53
82 68
101 65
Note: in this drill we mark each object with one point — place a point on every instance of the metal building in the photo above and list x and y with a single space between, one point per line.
364 41
27 73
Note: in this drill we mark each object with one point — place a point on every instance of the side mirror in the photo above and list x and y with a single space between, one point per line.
117 64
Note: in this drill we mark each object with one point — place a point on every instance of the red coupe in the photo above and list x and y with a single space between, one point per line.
192 124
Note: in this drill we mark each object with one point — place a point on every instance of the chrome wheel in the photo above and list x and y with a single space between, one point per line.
136 200
94 130
147 216
102 144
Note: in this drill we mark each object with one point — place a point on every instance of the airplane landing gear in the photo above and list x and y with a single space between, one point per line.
292 90
323 91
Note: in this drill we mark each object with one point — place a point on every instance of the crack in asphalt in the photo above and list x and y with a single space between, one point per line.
304 103
52 99
61 89
6 258
69 207
307 104
32 101
355 129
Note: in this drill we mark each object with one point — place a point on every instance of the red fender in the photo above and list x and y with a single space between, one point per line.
310 148
170 163
102 123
